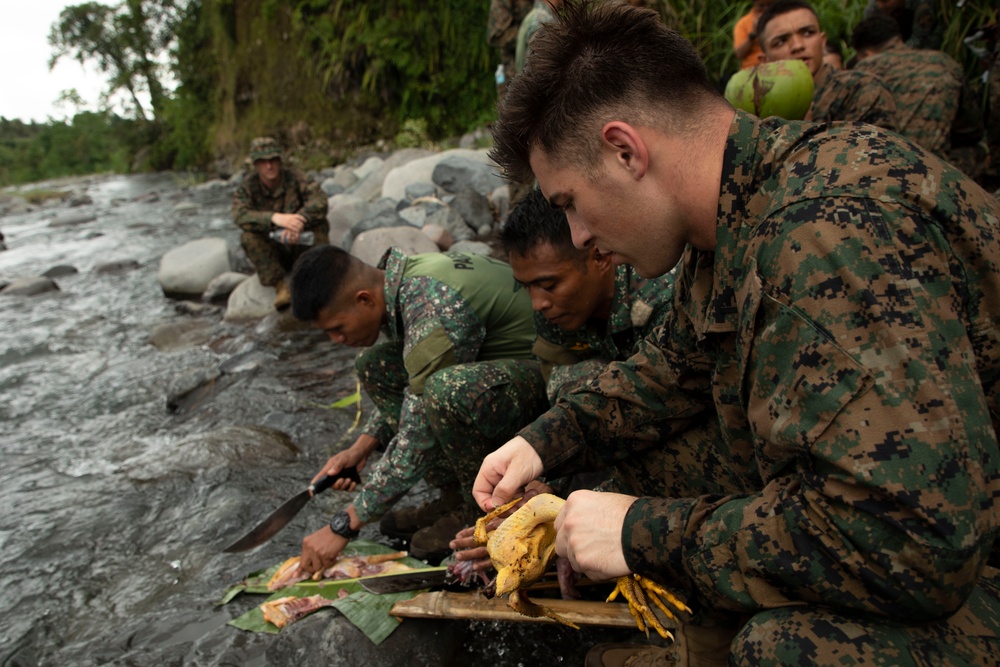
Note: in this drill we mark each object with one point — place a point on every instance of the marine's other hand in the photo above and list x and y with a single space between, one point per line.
504 473
320 550
466 549
589 533
338 462
294 222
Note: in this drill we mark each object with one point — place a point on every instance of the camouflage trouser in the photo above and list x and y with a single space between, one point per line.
272 259
475 408
815 636
472 408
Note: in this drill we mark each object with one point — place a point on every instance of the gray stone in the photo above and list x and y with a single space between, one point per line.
250 301
186 270
474 209
442 237
72 218
421 170
81 200
221 286
343 212
420 189
60 270
414 215
377 221
500 202
32 286
186 207
181 334
117 266
345 177
450 219
369 246
368 167
455 173
331 187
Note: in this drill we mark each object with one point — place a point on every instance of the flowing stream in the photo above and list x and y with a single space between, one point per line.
118 499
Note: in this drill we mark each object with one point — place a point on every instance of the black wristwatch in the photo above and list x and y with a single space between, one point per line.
341 525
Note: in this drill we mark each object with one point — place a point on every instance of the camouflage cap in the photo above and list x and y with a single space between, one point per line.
263 148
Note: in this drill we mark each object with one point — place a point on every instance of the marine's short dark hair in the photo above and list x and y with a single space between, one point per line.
874 31
319 276
534 222
595 62
778 8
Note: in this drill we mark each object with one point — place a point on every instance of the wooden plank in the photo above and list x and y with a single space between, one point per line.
476 606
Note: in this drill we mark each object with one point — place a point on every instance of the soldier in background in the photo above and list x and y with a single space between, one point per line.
275 198
934 106
501 33
836 319
919 23
789 29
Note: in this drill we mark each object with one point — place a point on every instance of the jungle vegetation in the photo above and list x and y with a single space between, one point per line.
189 82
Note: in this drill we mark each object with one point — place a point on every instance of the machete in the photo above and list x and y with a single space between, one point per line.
433 577
270 526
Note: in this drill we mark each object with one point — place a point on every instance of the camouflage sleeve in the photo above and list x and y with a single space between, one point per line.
630 406
315 202
407 459
441 329
873 435
500 28
377 427
244 214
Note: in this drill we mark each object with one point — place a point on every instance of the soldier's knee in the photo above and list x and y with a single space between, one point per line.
439 399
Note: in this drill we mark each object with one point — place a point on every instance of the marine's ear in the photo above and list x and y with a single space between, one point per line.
628 145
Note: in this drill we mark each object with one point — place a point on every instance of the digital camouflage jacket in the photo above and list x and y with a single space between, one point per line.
253 204
850 95
846 332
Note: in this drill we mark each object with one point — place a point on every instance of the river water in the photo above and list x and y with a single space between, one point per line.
118 500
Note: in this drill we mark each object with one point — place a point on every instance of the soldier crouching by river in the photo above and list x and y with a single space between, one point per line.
274 206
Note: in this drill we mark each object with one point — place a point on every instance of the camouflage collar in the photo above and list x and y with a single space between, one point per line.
393 262
740 171
628 286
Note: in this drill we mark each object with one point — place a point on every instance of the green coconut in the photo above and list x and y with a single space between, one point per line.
782 88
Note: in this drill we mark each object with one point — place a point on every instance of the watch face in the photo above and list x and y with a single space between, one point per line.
341 524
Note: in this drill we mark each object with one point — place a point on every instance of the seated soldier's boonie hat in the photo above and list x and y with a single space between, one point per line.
264 148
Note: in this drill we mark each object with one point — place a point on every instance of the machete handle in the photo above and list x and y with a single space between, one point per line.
326 481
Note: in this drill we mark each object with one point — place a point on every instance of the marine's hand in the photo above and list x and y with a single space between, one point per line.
320 550
589 533
293 222
338 462
505 472
466 549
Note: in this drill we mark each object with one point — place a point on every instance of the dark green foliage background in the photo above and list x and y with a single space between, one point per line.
332 77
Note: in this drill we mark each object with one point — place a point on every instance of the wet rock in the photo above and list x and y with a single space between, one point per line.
371 245
343 212
186 207
147 198
452 220
237 447
250 301
191 388
221 286
418 190
368 167
60 270
246 361
378 221
186 270
194 308
421 170
80 200
177 335
117 266
32 286
71 219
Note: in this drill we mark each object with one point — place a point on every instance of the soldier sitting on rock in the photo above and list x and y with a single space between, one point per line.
277 199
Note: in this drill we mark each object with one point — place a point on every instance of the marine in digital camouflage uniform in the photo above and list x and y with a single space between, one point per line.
790 29
838 305
441 311
918 20
540 13
934 106
254 205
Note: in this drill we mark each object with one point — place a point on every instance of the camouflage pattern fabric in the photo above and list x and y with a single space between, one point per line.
853 96
846 332
639 306
539 14
918 21
927 87
475 408
432 327
253 206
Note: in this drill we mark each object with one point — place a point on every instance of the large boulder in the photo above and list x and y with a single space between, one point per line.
32 286
468 170
371 245
222 285
186 270
250 301
370 187
422 171
343 212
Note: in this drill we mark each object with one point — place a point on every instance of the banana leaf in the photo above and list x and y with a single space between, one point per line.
369 612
